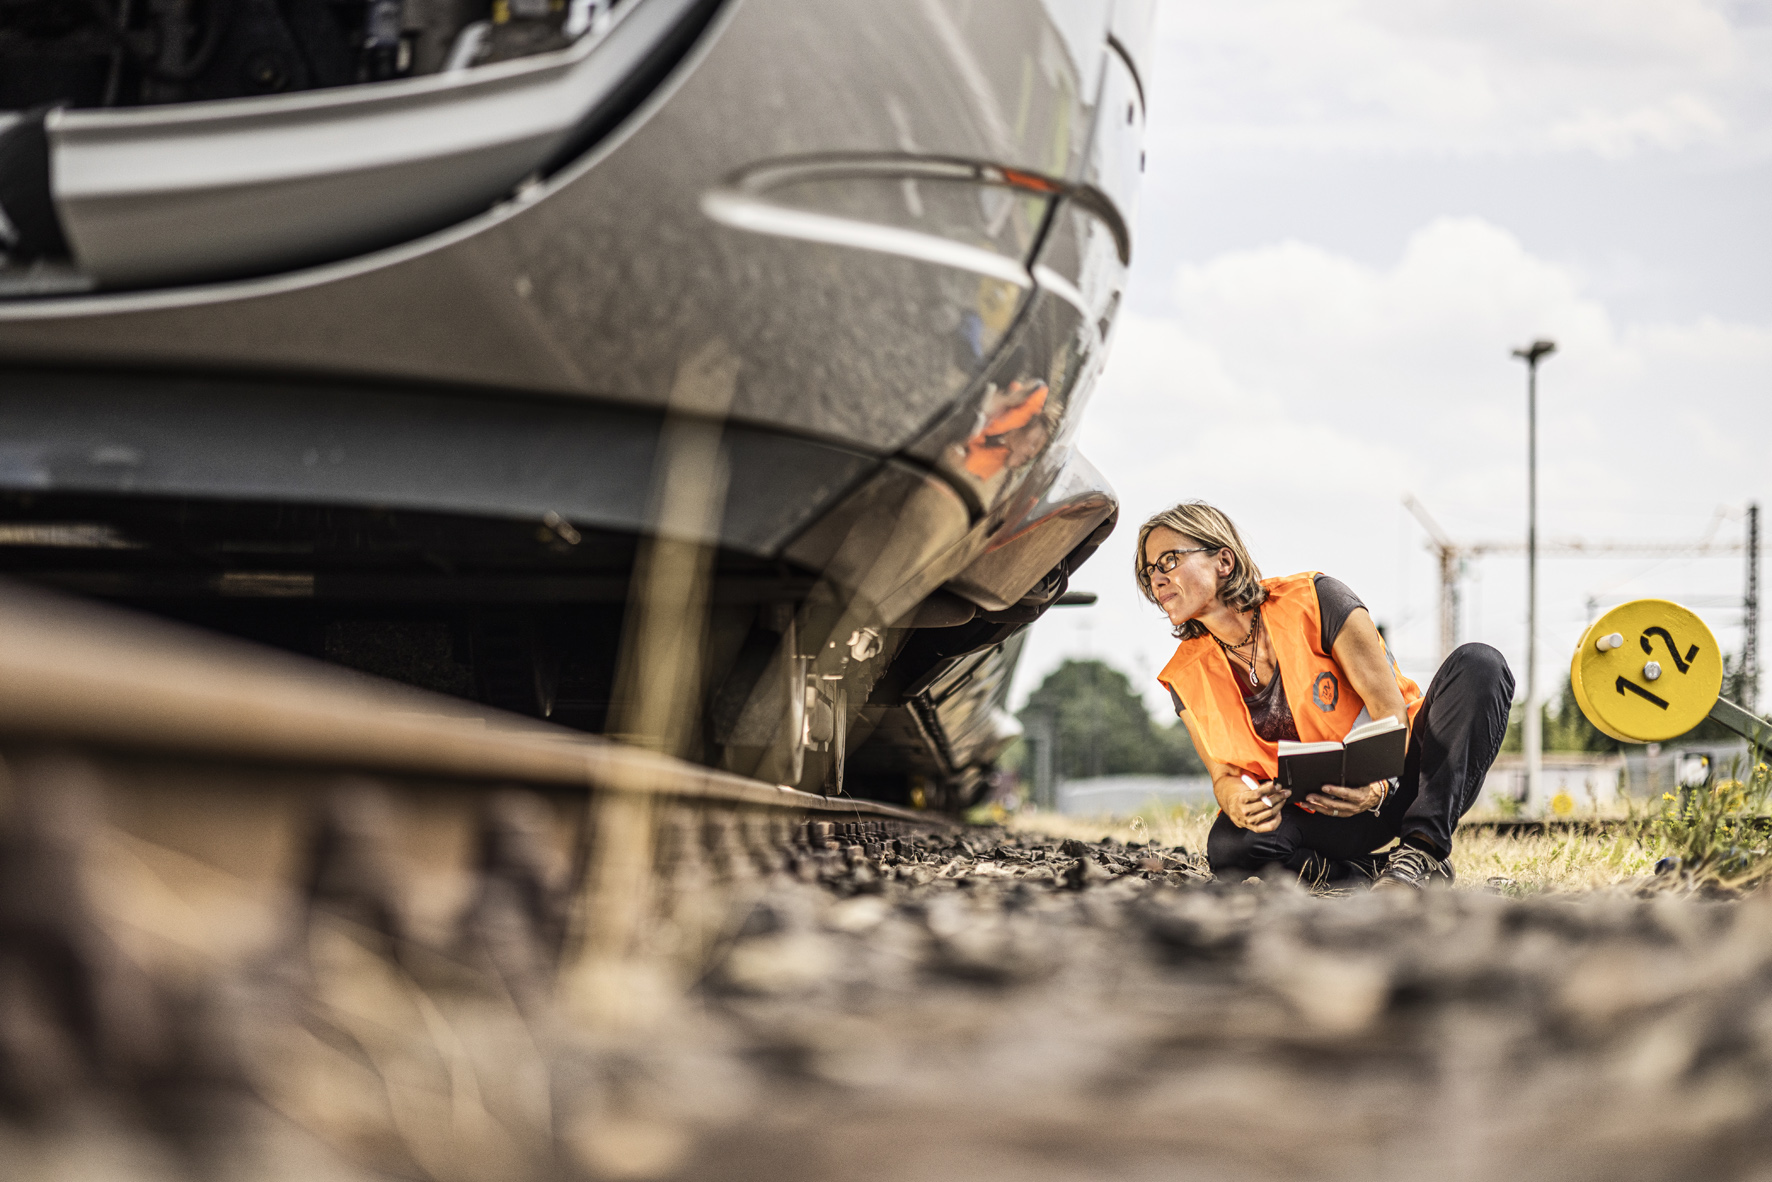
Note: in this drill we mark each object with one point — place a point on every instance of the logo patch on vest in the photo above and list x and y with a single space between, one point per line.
1325 691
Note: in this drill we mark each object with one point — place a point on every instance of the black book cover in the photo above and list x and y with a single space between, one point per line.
1306 767
1377 756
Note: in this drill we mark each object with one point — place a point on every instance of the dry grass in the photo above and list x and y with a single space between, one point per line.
1178 826
1570 860
1517 864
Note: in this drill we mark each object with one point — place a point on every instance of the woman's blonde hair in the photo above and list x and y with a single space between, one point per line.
1239 590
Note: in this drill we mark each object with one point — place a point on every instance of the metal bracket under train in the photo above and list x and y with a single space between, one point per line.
706 372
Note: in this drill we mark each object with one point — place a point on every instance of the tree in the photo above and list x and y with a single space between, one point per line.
1101 727
1569 729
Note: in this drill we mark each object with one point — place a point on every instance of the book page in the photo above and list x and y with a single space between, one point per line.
1378 726
1288 747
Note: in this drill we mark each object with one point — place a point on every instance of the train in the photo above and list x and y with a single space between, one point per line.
704 373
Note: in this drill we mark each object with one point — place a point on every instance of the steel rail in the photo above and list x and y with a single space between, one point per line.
83 673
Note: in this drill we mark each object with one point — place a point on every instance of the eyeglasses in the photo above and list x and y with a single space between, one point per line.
1168 560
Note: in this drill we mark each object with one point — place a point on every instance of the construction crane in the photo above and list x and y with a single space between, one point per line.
1453 557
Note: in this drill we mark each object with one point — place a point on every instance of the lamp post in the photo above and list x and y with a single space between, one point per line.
1534 723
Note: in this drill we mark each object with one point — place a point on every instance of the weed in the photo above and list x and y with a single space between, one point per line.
1719 835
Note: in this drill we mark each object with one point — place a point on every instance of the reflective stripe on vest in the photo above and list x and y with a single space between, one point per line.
1324 706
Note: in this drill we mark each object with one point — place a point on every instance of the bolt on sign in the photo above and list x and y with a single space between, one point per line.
1647 671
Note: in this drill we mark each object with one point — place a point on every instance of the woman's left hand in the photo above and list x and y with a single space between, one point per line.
1336 801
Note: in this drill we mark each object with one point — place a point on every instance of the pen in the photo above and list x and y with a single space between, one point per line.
1257 787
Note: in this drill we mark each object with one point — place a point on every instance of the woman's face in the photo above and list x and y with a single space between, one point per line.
1187 591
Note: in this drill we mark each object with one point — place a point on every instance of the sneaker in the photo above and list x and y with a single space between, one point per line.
1412 867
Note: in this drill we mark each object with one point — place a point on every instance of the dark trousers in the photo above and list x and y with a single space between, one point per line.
1457 733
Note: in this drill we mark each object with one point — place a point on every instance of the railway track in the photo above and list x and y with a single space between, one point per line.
1529 826
1525 826
77 673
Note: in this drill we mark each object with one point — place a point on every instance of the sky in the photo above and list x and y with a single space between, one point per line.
1353 211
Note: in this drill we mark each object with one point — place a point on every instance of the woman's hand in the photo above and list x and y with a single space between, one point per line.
1255 809
1336 801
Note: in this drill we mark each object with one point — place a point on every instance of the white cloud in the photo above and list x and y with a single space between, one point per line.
1609 77
1676 121
1306 393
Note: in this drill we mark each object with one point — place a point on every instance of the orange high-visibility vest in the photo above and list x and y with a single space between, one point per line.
1324 706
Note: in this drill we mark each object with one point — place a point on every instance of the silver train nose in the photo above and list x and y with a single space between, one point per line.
360 354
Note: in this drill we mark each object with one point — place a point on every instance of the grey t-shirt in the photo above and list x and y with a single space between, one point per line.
1269 713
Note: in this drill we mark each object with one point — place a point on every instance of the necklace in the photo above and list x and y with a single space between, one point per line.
1247 642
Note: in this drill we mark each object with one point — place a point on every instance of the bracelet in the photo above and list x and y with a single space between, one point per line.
1385 794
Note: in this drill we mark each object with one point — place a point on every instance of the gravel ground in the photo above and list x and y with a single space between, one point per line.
1154 1025
979 1005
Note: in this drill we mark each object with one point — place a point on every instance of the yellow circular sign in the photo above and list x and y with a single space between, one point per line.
1647 671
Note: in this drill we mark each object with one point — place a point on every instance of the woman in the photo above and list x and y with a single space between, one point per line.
1298 657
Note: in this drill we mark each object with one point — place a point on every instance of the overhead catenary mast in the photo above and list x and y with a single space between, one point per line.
1750 605
1453 558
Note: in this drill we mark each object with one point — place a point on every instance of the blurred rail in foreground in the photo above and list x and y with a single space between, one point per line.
272 918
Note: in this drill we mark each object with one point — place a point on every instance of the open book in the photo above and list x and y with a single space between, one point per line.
1369 753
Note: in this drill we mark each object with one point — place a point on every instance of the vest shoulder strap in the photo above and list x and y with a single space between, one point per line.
1292 608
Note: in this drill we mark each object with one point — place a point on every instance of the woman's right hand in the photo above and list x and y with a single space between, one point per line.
1255 809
